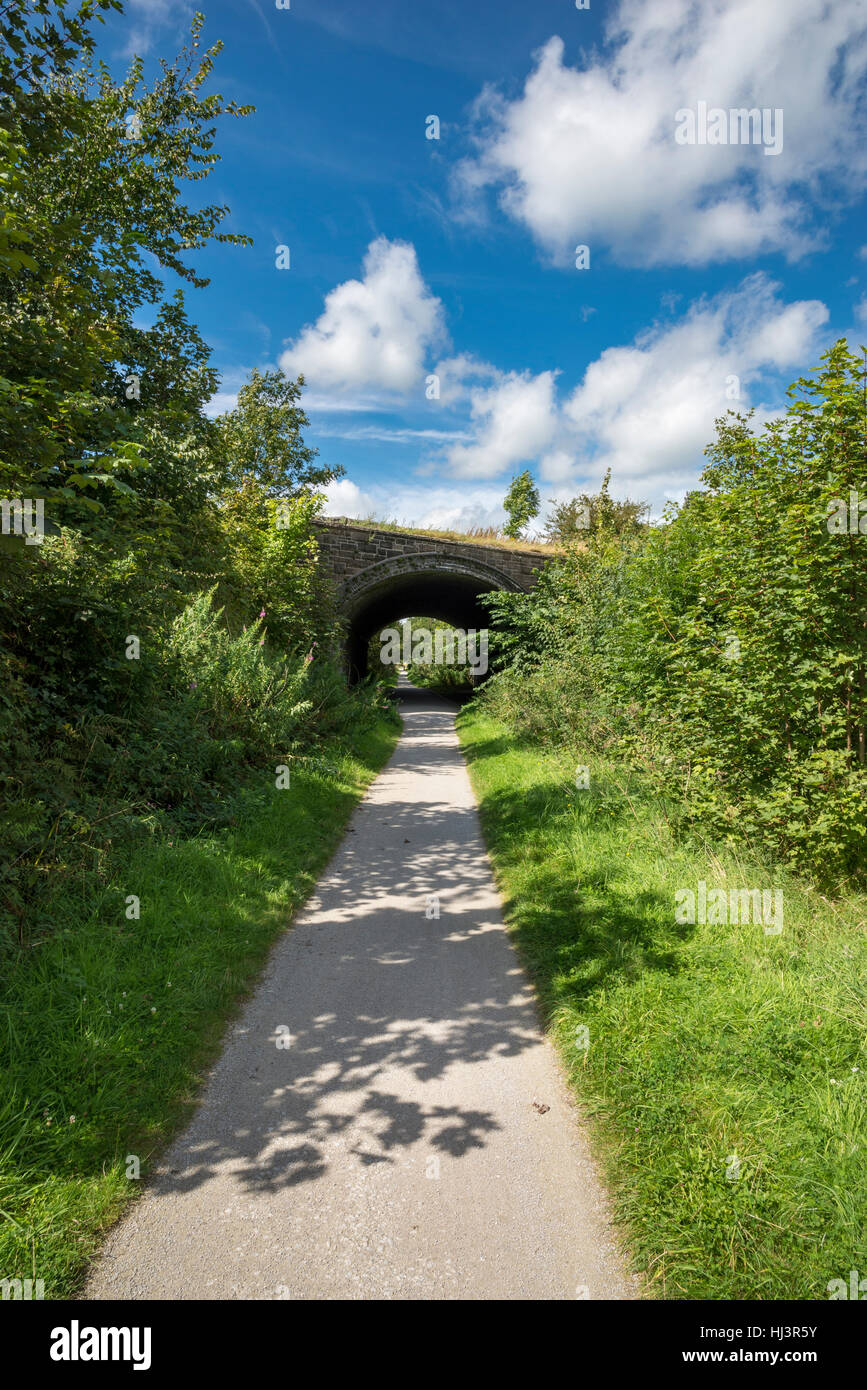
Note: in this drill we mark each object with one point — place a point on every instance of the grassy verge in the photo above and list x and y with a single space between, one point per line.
106 1025
726 1071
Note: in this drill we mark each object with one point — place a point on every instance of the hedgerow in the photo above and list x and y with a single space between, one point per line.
724 650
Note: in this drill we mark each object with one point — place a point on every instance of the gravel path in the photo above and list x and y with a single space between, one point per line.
393 1149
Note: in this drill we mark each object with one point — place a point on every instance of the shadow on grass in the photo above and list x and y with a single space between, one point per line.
577 936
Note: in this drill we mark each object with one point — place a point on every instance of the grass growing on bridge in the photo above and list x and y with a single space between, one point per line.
108 1023
477 535
726 1070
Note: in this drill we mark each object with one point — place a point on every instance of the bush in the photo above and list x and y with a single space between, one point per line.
197 713
725 650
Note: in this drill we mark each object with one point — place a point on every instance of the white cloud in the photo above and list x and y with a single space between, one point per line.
514 421
558 467
326 403
148 17
588 155
345 498
456 376
438 508
220 403
861 311
385 434
647 410
783 338
374 332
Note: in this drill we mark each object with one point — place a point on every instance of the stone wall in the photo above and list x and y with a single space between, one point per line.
349 549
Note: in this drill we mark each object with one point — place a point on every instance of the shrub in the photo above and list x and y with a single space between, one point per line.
725 650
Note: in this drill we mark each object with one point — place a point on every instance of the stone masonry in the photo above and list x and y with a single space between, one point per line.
360 558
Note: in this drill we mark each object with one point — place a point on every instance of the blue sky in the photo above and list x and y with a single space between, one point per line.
717 271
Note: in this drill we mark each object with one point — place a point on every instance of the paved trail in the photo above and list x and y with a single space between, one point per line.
393 1150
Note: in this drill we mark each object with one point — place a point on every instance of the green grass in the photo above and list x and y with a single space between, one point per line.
476 535
106 1025
705 1042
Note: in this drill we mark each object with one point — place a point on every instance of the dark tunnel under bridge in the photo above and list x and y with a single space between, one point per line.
381 576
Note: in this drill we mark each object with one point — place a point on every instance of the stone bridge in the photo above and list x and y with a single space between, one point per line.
380 576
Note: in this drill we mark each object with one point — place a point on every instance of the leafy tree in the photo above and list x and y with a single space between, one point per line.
572 520
725 651
521 503
100 417
261 440
94 169
268 499
104 418
272 567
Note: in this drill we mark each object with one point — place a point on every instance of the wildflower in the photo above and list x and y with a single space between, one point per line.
262 613
72 1119
153 1011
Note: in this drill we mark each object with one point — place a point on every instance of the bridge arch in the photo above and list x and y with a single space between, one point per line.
428 584
378 574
